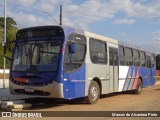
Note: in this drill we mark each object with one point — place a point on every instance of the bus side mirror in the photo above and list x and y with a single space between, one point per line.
72 48
5 52
8 50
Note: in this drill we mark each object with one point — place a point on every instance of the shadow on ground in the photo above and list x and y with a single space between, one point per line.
45 103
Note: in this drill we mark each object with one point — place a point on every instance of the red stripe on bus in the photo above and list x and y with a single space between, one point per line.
63 50
24 80
136 80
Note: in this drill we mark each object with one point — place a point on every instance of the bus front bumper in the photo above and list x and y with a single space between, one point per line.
53 90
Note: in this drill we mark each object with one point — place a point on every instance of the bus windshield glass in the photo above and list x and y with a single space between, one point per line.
36 56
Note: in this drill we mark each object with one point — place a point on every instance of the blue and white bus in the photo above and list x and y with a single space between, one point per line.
63 62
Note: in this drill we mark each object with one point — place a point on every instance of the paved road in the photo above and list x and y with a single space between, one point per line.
4 92
6 83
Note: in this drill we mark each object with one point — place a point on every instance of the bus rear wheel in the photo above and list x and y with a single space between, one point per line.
138 90
93 93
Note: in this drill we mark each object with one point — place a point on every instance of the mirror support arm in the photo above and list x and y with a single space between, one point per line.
5 47
8 58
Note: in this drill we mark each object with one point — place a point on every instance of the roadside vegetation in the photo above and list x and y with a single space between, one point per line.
158 62
11 30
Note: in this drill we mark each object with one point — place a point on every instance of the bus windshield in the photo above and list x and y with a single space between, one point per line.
36 56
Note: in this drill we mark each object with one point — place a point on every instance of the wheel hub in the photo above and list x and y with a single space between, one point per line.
94 92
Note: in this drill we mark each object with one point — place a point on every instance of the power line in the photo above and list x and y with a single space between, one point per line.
51 16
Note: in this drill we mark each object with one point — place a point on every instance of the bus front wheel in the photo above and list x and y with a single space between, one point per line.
93 93
138 90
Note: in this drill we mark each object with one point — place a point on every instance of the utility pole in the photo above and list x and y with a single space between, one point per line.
4 42
60 17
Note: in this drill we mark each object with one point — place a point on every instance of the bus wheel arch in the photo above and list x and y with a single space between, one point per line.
99 83
94 92
140 78
139 87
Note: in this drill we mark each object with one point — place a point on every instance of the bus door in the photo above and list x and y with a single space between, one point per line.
149 70
153 66
113 68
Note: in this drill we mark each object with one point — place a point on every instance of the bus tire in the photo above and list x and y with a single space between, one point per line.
93 93
138 90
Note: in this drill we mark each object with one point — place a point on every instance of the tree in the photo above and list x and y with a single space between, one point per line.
158 62
10 23
11 30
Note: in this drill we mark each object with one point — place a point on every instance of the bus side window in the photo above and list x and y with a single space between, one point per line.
111 62
113 56
73 61
148 61
136 57
143 59
152 60
122 56
98 51
129 56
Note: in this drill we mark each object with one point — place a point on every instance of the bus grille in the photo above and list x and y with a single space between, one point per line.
34 84
36 92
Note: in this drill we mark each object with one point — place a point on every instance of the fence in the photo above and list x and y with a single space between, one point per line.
4 83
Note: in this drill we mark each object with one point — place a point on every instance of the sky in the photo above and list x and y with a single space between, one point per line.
134 22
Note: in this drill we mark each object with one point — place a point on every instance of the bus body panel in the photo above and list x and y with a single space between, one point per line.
112 78
113 66
153 80
128 77
102 73
74 83
96 71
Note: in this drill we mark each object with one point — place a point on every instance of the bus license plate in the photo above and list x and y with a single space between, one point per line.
29 90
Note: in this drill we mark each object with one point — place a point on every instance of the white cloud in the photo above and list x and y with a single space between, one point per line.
82 15
156 35
22 3
122 34
29 12
124 21
138 9
28 20
50 6
86 13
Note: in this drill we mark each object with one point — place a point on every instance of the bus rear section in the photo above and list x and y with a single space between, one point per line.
137 69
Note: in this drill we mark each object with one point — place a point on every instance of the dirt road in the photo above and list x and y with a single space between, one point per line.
148 100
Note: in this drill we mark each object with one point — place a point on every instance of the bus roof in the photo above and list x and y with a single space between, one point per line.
89 34
93 35
78 31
